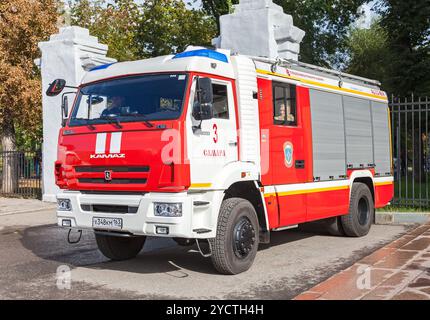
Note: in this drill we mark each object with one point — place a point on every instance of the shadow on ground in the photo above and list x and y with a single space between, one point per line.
160 255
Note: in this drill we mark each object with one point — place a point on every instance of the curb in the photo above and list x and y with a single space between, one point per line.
402 217
9 213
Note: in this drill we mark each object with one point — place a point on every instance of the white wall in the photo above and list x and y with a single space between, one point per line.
67 55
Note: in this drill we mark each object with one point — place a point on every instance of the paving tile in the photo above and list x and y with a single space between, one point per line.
379 293
396 260
347 286
418 244
420 283
425 290
308 296
400 242
402 269
398 278
410 295
377 256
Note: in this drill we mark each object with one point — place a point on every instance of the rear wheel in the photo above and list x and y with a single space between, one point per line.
236 243
119 248
361 211
334 226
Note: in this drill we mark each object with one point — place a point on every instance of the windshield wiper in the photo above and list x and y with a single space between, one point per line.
87 123
112 119
142 117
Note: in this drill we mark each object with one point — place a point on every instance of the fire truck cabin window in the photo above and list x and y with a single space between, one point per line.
285 110
220 102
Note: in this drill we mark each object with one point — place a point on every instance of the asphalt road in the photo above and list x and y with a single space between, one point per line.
32 248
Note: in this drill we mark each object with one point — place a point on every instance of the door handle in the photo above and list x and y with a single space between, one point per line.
300 164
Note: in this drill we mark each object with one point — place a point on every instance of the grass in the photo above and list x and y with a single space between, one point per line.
404 209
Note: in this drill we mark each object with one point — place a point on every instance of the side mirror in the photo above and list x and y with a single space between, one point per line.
203 109
56 87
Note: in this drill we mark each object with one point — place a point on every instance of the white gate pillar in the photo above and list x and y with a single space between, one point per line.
67 55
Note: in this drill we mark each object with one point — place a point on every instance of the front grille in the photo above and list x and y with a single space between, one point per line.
108 208
113 181
113 169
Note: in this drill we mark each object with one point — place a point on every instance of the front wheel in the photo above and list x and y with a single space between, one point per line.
236 243
119 248
361 211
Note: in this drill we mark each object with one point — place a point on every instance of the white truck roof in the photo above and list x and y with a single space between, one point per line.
219 62
205 61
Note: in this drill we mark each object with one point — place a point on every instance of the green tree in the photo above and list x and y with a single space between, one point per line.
407 24
326 23
167 26
217 8
369 53
23 24
113 22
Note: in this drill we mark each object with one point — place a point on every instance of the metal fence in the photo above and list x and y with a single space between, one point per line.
21 174
411 151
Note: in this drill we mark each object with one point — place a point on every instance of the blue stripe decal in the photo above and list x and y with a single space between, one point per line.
203 53
101 67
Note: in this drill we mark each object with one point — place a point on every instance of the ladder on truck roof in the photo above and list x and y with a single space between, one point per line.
291 63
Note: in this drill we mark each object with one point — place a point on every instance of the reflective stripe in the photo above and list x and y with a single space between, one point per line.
306 188
200 185
323 85
115 142
101 143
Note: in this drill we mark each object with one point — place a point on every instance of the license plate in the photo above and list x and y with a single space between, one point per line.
107 223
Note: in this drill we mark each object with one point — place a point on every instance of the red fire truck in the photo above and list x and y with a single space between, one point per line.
220 149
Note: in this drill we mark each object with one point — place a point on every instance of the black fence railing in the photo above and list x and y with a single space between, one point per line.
21 174
411 151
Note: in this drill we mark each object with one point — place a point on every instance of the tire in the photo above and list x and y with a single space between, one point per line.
184 242
118 248
334 227
361 211
237 237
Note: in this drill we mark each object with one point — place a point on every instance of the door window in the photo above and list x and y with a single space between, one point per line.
284 104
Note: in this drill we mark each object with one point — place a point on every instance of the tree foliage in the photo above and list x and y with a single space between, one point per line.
369 53
134 31
167 26
326 23
217 8
407 24
23 24
395 49
114 23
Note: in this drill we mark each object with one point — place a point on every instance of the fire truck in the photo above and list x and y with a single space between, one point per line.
220 150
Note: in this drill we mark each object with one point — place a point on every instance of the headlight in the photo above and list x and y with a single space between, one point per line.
64 205
167 209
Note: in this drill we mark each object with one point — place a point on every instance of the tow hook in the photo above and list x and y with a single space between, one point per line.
75 241
207 254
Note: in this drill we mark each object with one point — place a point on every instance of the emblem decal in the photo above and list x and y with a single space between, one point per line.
108 175
289 154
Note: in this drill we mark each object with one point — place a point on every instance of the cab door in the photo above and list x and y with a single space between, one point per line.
212 144
288 159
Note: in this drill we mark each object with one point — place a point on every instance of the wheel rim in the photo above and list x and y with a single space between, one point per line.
243 238
363 211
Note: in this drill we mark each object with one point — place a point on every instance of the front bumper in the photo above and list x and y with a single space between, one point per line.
198 220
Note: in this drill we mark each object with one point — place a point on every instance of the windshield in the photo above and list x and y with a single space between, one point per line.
146 98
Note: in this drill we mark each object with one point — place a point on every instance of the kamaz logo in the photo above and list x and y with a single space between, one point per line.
108 156
114 146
